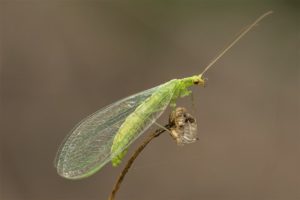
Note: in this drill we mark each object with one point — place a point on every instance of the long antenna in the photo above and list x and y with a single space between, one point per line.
235 41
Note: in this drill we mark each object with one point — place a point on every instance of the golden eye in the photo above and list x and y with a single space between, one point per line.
196 82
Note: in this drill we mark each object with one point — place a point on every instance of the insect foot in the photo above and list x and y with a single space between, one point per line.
183 126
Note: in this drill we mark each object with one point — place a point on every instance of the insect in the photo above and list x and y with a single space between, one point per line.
105 135
183 126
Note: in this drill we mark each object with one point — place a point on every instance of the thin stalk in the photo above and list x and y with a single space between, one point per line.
132 159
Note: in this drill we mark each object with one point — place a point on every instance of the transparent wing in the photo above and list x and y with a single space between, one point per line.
189 133
88 147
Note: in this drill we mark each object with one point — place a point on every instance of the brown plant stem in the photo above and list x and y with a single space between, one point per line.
132 159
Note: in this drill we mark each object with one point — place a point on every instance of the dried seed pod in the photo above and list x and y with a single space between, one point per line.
183 126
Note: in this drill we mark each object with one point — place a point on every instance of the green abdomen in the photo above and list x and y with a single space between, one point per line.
141 119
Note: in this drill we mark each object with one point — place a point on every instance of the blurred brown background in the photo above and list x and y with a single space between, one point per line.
62 60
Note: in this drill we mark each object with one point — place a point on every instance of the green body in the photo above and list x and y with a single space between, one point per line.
136 120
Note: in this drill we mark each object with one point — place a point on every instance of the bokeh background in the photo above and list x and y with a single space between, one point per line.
62 60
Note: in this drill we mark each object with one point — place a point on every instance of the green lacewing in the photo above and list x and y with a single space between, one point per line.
106 134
